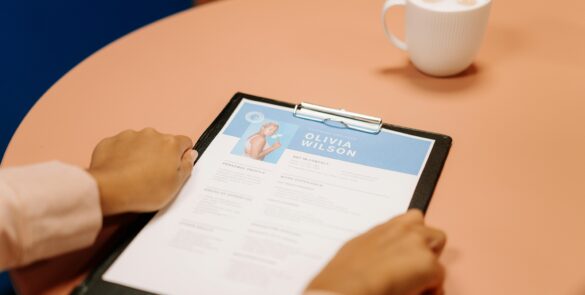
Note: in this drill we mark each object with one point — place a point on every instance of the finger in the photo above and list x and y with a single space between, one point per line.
436 285
431 276
438 240
184 143
437 291
149 130
187 162
415 215
98 155
435 239
124 135
125 132
412 216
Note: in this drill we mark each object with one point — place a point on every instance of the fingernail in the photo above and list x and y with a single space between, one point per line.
193 154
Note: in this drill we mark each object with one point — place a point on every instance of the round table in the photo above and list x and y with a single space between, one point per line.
511 196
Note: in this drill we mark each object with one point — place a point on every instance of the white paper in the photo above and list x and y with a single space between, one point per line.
249 226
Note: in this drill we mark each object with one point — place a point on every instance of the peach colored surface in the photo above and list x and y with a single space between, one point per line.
511 196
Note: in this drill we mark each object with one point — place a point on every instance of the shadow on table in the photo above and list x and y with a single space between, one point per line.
581 290
455 83
449 257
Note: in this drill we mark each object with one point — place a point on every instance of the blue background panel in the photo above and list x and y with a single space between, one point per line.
41 40
5 287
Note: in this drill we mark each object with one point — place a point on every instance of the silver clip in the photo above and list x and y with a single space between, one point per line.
338 118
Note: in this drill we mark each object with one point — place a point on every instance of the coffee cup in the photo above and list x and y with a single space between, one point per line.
442 37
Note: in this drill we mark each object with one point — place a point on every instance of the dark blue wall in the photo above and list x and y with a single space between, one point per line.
5 288
41 40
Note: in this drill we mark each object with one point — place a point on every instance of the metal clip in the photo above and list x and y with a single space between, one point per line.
338 118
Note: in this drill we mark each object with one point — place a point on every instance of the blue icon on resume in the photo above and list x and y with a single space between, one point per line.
254 117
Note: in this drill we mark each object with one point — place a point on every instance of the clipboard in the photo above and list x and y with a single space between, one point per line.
335 118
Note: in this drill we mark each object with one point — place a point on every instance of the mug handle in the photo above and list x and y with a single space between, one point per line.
395 41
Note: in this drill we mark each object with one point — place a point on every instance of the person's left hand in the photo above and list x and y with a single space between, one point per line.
140 171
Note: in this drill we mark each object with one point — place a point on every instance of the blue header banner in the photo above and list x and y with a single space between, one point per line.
385 150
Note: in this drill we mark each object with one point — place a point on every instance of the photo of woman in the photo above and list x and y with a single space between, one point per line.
256 145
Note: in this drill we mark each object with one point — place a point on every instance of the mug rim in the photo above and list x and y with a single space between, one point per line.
487 3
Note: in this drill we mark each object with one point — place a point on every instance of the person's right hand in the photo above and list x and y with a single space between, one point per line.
276 145
399 257
140 171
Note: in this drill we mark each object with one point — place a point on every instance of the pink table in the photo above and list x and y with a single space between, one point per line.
511 196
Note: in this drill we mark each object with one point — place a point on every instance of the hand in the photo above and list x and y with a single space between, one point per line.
399 257
276 145
140 171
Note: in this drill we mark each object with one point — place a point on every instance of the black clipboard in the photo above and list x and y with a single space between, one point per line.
420 200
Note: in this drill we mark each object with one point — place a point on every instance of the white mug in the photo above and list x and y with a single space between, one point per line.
442 36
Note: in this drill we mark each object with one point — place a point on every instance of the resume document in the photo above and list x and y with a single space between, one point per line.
270 201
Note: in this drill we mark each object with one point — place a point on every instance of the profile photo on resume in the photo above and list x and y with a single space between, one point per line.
257 146
265 141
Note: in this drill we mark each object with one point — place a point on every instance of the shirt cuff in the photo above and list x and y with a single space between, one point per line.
320 292
56 209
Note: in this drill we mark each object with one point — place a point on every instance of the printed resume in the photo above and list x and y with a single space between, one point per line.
270 202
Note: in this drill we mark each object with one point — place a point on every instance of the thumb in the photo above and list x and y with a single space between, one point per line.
187 162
